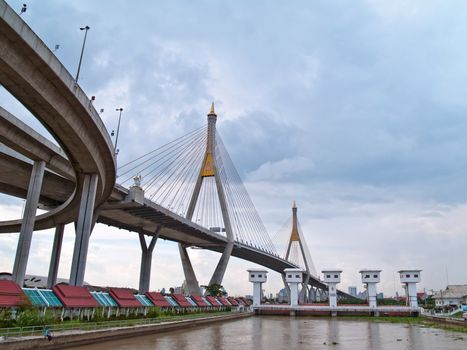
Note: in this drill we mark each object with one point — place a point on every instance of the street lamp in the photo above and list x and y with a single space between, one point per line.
118 129
23 9
82 50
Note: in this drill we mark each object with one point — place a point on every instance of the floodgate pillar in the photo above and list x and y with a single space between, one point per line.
370 278
293 277
410 278
332 278
257 277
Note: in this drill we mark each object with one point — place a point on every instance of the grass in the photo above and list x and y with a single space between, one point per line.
458 314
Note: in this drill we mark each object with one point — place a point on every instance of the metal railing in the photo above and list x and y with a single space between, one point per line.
433 312
92 326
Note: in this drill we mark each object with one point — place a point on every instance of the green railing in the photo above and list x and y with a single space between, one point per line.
90 326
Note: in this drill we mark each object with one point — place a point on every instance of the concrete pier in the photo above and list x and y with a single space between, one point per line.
27 225
83 230
55 258
146 260
190 278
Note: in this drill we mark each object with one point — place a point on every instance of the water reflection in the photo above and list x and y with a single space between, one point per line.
293 331
333 332
273 333
373 336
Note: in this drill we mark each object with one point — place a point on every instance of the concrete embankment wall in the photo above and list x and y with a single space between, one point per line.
446 320
311 312
76 338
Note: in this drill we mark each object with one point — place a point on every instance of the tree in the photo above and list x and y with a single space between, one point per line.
215 290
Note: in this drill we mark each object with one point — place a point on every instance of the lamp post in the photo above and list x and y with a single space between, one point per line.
118 129
82 50
23 9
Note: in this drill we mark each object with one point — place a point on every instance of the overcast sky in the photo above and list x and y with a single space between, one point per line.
355 109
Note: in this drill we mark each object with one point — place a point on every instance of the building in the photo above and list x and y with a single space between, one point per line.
453 295
362 295
179 290
283 296
421 296
34 281
353 291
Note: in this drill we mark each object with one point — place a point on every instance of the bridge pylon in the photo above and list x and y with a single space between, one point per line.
297 242
209 169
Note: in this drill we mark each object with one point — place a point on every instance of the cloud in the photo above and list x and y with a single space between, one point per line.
284 169
357 112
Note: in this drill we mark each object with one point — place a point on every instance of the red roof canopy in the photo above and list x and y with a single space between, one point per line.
199 300
181 300
223 301
212 300
74 296
158 299
232 301
124 297
244 301
11 294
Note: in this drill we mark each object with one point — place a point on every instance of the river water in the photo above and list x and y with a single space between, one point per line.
276 332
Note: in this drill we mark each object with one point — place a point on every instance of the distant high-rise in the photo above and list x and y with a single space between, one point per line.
283 295
353 291
362 295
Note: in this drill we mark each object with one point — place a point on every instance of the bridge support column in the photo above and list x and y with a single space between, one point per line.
146 260
312 295
55 258
27 225
304 295
286 285
84 227
221 267
190 278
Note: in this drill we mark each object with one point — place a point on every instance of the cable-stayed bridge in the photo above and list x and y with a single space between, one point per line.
187 191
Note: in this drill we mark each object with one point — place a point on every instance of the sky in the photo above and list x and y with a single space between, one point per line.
355 109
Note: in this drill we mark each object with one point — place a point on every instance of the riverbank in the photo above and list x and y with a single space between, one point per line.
72 338
424 321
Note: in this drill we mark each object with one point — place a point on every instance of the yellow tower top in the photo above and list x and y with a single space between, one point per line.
212 111
294 237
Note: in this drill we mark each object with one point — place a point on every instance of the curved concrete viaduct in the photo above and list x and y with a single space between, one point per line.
32 73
